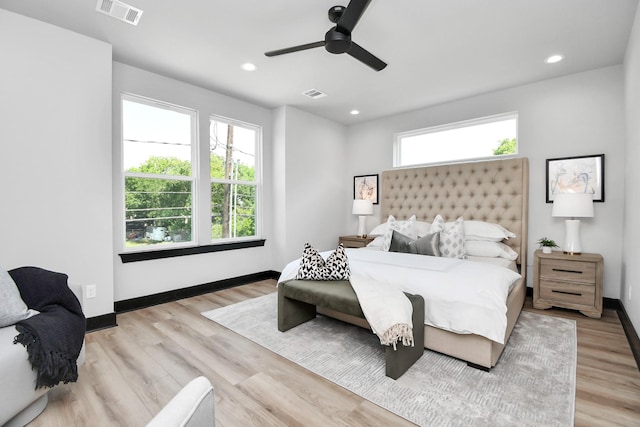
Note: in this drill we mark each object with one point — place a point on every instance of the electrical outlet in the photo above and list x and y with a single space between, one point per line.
91 291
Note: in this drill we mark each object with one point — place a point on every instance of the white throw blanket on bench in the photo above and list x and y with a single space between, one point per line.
385 306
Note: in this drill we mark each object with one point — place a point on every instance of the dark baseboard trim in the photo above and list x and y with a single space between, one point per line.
627 326
169 296
632 334
101 322
612 303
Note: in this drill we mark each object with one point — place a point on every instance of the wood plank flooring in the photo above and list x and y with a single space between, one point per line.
132 370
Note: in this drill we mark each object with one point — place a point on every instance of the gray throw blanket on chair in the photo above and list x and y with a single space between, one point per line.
54 337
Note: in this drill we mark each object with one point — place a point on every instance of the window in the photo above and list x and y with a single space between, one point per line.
158 145
172 199
234 184
471 139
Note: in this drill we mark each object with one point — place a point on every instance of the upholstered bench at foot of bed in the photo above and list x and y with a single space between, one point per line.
298 299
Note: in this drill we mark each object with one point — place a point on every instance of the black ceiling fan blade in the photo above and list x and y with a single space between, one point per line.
364 56
294 48
351 15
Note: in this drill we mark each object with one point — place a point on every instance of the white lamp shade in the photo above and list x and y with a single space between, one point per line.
573 205
362 207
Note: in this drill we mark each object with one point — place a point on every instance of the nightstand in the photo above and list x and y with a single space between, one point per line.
355 241
569 281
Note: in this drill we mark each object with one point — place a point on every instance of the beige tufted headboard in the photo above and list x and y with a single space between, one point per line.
493 191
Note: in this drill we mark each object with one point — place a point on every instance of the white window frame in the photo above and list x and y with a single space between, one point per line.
397 144
193 178
201 239
257 176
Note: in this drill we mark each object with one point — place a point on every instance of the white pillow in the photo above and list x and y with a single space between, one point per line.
490 249
486 231
408 228
377 242
452 244
422 228
379 229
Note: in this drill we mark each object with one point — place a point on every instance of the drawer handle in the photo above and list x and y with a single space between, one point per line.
567 292
567 271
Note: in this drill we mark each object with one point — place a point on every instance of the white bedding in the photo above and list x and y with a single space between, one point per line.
460 296
507 263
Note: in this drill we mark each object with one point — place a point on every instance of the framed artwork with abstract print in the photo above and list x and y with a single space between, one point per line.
584 174
366 187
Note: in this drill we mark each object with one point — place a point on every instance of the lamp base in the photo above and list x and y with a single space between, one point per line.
362 227
572 238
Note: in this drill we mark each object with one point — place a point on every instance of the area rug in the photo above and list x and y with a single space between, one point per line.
533 383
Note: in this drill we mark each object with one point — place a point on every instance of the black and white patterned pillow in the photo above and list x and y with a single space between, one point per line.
314 267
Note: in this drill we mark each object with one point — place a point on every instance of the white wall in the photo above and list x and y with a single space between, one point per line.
150 277
55 154
311 155
631 253
580 114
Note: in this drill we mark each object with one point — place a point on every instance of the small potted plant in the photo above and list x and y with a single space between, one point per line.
547 245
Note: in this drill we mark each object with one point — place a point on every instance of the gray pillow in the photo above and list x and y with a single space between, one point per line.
426 245
12 308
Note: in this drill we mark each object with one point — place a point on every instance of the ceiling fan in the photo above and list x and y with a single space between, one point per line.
338 38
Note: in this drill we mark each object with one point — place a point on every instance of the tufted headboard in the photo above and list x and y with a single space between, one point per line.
493 191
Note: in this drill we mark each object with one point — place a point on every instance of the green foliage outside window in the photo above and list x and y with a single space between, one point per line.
166 203
507 146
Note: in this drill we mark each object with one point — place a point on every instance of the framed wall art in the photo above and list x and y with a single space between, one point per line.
366 187
583 174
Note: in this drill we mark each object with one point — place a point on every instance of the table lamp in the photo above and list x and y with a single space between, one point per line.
362 208
572 205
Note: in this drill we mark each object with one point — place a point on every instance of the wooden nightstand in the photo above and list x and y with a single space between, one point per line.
569 281
355 241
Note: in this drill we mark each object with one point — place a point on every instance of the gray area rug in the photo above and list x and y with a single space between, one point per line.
533 383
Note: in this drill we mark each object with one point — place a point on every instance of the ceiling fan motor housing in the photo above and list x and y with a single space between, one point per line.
337 42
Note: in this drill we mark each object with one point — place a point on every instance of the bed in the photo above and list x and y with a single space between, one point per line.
489 191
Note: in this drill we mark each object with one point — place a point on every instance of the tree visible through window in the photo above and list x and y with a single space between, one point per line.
471 139
233 179
162 184
158 176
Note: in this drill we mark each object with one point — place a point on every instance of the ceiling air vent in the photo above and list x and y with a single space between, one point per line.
314 93
119 10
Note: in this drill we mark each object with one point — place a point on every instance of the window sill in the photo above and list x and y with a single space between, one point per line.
170 253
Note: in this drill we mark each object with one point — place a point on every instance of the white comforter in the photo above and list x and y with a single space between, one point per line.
460 296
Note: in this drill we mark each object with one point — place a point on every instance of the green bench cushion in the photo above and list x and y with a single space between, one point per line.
337 295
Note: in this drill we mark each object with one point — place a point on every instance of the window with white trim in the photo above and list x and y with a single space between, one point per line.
468 140
173 200
158 151
233 153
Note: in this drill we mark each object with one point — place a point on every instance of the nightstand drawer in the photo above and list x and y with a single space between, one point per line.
567 292
574 271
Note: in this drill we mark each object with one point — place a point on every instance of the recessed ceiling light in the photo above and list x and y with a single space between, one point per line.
248 66
355 112
553 59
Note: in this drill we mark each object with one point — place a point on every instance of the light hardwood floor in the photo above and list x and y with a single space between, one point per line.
132 370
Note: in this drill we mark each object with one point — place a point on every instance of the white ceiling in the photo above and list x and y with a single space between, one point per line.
437 50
